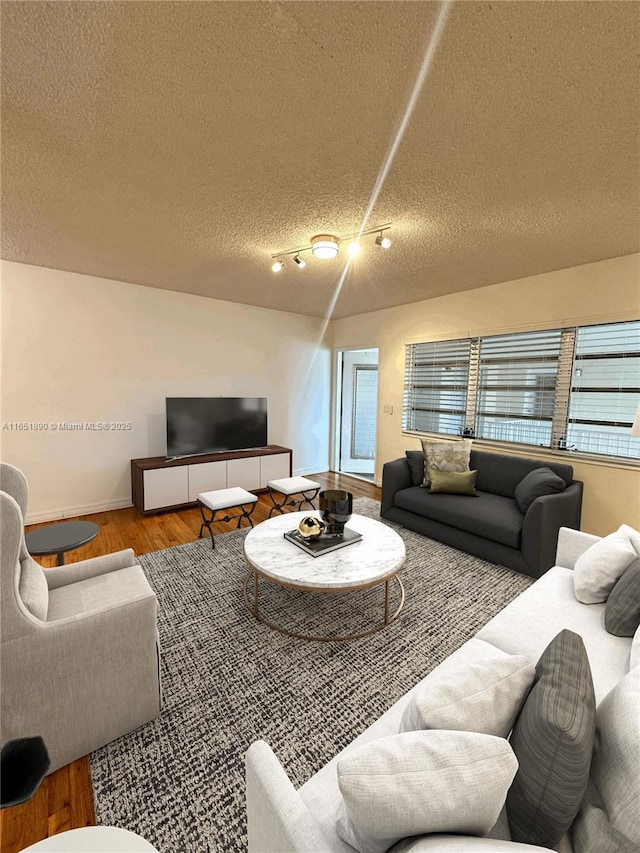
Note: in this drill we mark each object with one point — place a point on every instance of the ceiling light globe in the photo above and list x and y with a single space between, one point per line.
354 249
277 266
324 246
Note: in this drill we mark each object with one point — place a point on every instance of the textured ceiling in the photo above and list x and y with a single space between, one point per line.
179 144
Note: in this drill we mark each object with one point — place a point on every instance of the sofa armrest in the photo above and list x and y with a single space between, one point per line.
277 819
396 475
462 844
571 545
543 520
85 569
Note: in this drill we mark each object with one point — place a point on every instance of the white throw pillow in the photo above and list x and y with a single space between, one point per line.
600 566
609 818
421 782
632 535
473 696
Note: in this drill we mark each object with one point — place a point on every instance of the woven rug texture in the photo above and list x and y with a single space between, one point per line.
229 680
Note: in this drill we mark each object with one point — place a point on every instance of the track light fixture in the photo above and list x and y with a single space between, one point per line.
385 242
327 246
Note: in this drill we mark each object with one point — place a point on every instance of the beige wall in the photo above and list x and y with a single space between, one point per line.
78 349
600 292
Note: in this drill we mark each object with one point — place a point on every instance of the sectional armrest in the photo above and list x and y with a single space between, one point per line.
571 545
543 520
277 819
395 476
74 572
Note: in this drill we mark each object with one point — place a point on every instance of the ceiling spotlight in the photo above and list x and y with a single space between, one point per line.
277 266
301 263
385 242
354 249
324 246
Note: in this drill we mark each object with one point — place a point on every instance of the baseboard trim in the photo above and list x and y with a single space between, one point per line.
72 512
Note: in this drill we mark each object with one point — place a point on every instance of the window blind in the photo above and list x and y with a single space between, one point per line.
605 389
435 382
516 387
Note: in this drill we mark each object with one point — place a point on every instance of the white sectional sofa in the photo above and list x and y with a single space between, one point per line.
282 819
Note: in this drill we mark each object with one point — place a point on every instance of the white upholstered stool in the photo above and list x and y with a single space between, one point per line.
225 499
288 486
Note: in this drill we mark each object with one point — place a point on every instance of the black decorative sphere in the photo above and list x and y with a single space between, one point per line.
336 508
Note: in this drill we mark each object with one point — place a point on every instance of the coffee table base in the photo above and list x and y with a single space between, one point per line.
388 618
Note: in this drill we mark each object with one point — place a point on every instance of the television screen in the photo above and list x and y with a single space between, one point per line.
197 425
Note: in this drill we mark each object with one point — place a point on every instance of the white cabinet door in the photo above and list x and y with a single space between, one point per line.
205 477
166 487
273 468
244 473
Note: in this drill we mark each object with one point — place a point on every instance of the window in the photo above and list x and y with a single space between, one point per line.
436 382
574 389
605 391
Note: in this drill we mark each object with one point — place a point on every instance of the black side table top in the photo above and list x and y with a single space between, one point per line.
60 537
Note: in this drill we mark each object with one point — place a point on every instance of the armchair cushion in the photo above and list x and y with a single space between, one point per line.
100 593
33 589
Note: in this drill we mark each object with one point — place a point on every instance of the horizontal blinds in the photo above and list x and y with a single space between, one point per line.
436 381
605 389
516 386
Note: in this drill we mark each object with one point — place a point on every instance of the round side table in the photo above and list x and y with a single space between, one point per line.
93 839
60 537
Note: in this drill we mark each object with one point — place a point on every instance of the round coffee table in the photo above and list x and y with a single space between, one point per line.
60 537
373 561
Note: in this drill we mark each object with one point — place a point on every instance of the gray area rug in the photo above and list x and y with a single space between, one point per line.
228 680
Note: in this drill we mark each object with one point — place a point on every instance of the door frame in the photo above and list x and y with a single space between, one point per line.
336 403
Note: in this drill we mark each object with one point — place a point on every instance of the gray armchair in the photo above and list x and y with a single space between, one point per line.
79 649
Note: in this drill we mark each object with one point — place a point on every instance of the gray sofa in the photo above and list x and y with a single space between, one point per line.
490 525
282 819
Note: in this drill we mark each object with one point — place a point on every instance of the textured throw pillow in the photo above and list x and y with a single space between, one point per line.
553 741
535 484
474 696
415 460
632 535
420 782
599 567
622 611
609 819
453 482
445 456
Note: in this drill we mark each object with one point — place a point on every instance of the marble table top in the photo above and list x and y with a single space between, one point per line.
377 556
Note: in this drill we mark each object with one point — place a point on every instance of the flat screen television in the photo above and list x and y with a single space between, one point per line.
198 425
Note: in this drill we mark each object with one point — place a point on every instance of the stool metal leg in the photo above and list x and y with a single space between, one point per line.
276 505
207 522
307 499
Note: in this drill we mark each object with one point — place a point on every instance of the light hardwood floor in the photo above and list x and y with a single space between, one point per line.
65 800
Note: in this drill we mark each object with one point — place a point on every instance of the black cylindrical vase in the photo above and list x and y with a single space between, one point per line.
336 508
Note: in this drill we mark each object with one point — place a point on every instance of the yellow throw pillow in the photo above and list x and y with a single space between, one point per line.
453 482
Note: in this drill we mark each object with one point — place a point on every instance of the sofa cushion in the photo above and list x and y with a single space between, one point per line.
33 588
445 456
473 696
553 601
597 570
501 474
553 741
421 782
622 610
490 516
535 484
610 815
453 482
415 460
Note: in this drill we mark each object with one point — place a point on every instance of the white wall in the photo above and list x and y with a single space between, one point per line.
600 292
81 349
